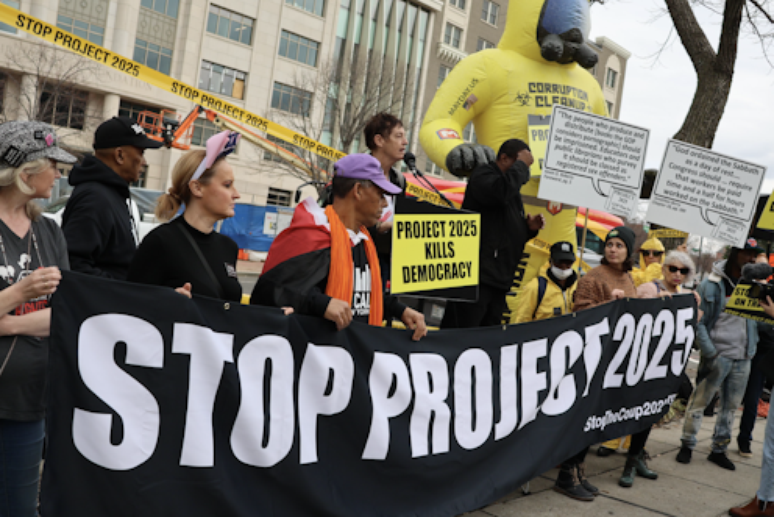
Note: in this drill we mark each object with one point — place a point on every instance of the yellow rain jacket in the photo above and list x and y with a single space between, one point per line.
653 271
555 302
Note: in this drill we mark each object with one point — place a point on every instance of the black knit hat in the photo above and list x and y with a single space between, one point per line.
625 234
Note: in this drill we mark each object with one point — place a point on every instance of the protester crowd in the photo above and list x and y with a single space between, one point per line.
333 262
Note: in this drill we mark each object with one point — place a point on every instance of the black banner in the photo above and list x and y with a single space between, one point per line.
161 405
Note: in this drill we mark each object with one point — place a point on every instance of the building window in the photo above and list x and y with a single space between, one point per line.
230 25
93 33
132 110
153 56
443 71
298 48
202 130
312 6
484 44
611 78
489 12
609 108
271 157
278 197
168 7
4 27
453 35
63 107
290 99
460 4
469 134
222 79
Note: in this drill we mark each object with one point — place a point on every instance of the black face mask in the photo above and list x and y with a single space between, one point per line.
522 174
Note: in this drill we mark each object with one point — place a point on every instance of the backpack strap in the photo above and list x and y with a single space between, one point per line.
542 284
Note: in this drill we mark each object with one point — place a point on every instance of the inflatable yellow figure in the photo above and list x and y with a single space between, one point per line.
508 92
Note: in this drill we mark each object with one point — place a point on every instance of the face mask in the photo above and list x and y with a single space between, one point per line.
561 274
521 175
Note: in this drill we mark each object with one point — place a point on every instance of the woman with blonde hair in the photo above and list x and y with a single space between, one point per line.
187 253
32 252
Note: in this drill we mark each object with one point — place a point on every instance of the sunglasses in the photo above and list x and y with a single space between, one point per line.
683 270
651 253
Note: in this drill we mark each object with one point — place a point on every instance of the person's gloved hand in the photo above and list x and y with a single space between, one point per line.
465 157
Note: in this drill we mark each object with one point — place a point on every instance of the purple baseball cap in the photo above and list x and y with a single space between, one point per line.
365 167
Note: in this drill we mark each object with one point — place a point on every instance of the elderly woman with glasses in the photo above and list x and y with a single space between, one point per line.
678 269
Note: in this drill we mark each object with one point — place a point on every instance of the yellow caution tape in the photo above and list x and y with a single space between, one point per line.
85 48
667 233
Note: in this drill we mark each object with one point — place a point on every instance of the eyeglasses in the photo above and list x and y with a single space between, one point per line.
683 270
652 253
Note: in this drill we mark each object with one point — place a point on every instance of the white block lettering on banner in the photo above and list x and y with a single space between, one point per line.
703 192
593 161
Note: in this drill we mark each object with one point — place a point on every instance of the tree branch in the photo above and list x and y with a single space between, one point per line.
729 37
762 10
691 34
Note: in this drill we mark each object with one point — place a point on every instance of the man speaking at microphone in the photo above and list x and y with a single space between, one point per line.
494 191
385 137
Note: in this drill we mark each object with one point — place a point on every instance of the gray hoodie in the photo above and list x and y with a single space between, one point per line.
729 334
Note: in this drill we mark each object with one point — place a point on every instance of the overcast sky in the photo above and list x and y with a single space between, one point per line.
657 94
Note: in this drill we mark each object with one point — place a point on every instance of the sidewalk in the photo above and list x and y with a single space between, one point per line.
700 489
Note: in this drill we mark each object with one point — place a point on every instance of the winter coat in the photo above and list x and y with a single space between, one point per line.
97 223
496 195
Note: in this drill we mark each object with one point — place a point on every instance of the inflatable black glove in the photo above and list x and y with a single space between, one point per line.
465 157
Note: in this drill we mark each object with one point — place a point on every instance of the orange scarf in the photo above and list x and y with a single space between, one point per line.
342 272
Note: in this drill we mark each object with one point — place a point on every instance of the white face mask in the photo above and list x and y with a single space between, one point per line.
561 274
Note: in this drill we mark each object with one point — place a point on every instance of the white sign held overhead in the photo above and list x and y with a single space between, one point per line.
593 161
703 192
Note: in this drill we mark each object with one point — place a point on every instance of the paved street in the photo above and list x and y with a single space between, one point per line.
700 489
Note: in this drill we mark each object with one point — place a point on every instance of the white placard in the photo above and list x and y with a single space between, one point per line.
284 217
706 193
593 161
270 223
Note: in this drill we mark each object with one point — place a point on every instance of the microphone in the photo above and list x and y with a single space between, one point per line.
756 272
411 163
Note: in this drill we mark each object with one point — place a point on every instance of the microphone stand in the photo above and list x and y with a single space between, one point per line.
421 179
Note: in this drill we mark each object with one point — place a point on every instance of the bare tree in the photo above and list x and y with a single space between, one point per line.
44 78
715 68
339 99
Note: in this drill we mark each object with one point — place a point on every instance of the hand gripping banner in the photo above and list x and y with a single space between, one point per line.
160 405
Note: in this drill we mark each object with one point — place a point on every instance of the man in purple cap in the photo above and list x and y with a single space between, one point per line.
325 263
101 232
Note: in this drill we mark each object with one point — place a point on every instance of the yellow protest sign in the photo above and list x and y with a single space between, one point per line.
539 127
87 49
740 304
433 252
667 233
766 221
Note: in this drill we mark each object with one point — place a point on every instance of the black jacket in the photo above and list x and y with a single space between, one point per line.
97 222
496 195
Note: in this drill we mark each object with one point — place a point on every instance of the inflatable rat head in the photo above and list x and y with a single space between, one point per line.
551 30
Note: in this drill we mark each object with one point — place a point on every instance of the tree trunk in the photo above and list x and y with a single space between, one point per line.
714 71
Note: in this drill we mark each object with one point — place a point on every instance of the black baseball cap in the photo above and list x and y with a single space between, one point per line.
562 251
120 131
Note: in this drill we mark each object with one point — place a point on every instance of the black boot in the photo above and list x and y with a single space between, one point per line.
629 472
584 480
642 468
567 483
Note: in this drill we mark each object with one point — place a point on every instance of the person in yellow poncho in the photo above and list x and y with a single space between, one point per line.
551 293
651 259
651 262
